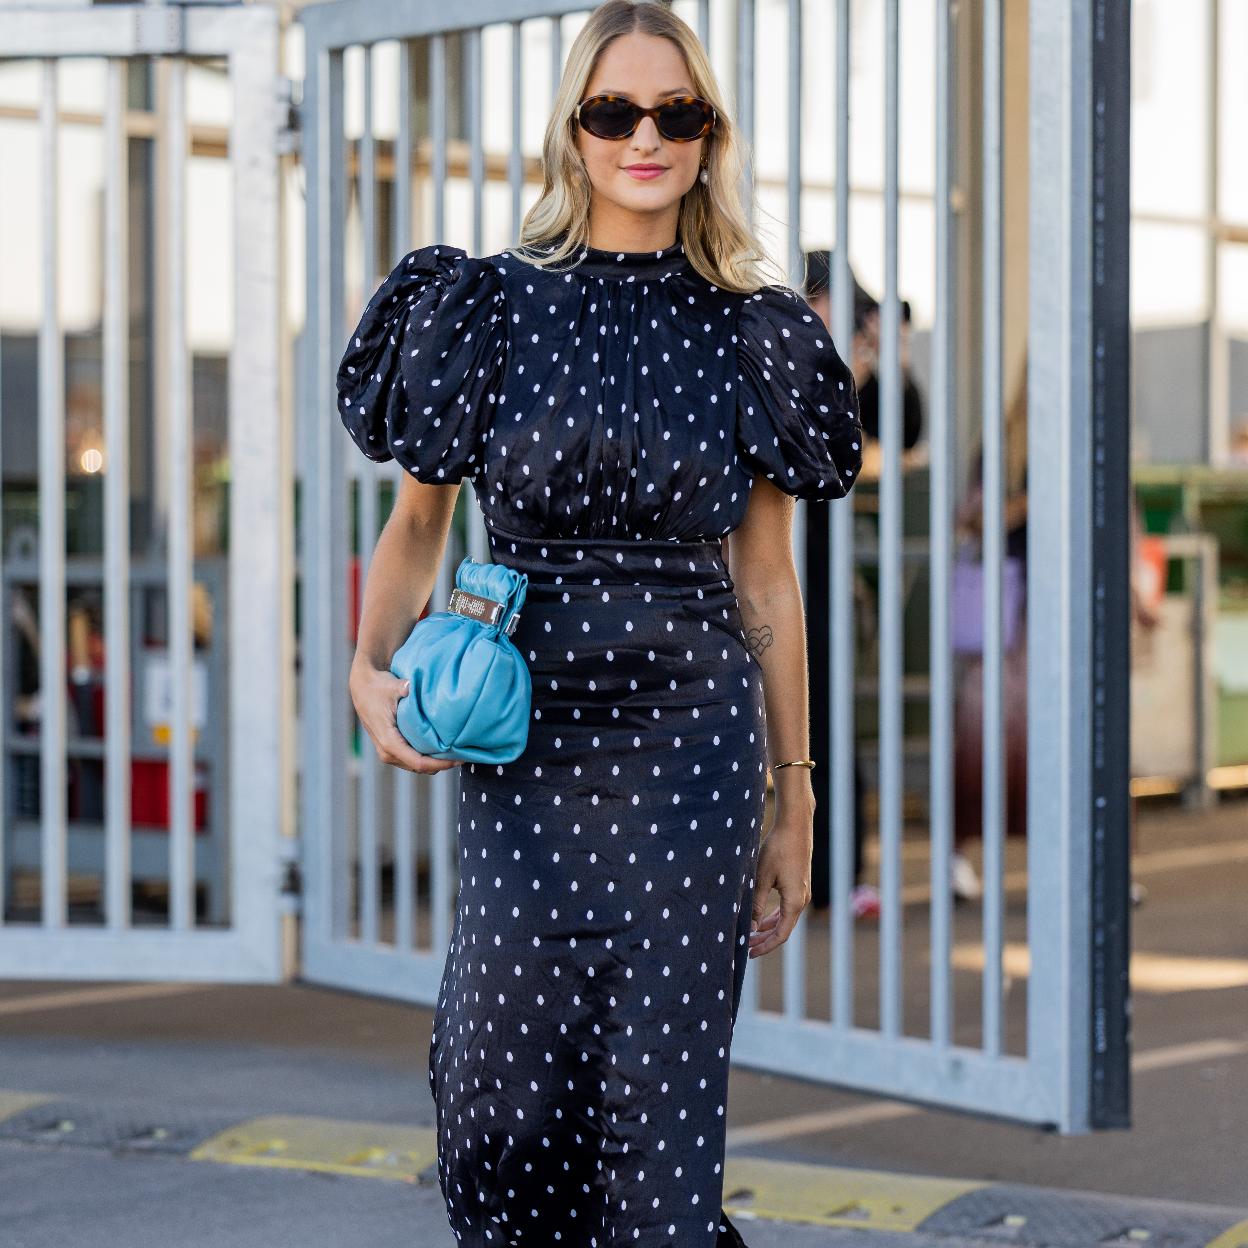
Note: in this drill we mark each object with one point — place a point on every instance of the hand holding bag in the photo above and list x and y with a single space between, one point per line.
470 692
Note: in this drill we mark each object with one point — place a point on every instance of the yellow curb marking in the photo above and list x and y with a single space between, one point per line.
13 1103
835 1195
1234 1237
294 1142
818 1195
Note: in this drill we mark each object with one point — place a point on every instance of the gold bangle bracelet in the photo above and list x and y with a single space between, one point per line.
797 762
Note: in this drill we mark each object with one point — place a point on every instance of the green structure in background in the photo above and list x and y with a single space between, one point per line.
1199 499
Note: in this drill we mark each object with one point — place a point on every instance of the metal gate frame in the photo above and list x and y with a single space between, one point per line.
258 627
1075 1075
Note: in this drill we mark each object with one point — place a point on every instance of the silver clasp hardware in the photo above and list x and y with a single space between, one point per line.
478 607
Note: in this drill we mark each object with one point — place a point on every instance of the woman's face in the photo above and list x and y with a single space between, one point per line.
646 69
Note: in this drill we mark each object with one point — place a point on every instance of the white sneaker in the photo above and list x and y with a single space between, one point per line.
965 882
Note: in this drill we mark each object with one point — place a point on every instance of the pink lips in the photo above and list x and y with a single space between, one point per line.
645 171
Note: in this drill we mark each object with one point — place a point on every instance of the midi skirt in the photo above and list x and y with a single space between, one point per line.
581 1038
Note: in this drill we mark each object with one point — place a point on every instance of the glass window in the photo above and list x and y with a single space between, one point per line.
1169 132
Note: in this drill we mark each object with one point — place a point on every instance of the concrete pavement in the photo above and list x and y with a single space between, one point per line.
210 1116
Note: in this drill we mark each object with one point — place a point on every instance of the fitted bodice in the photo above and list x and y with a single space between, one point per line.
626 397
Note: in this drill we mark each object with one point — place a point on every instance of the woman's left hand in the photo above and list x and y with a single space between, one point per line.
783 864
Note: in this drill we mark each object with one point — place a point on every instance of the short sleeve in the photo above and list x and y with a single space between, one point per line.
420 378
798 422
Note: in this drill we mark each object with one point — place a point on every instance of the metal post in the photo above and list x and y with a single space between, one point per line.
993 437
1108 40
1078 344
941 442
116 507
889 545
841 580
52 726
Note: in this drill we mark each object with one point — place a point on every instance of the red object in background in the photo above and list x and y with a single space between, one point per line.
353 597
149 795
1150 570
354 600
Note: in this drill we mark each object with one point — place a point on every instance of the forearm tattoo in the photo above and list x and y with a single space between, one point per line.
759 639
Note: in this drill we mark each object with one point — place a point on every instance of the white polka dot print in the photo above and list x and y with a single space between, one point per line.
611 418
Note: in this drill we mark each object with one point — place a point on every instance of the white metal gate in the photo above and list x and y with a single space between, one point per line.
210 699
1055 1053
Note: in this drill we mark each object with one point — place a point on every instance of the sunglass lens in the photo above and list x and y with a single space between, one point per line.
608 119
682 120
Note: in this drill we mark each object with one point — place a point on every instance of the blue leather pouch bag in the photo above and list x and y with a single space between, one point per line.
470 693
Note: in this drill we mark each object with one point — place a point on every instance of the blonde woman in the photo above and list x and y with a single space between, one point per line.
625 392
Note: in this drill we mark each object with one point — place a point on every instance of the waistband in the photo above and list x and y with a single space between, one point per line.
609 561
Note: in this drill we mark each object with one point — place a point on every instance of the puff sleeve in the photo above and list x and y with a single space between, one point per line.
420 378
798 422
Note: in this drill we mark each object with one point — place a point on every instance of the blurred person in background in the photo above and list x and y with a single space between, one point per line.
968 713
864 361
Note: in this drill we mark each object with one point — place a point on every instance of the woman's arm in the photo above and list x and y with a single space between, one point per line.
401 576
763 571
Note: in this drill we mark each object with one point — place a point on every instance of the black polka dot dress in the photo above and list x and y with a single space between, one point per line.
611 419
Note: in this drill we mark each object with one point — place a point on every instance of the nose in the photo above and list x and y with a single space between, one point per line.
647 133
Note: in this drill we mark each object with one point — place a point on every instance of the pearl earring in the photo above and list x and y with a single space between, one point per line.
705 175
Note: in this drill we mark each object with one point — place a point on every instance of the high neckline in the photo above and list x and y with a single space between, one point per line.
608 264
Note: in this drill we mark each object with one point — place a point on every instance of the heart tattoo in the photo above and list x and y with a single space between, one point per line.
758 639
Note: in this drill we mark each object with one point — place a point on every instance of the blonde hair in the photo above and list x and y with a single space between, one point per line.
713 226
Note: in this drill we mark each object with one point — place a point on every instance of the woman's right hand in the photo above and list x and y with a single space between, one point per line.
376 693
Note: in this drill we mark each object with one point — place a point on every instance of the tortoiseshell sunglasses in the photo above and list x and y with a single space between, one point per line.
681 119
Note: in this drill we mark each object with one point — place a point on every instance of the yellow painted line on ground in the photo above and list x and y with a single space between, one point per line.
834 1195
106 994
1157 973
1235 1237
334 1146
12 1103
791 1192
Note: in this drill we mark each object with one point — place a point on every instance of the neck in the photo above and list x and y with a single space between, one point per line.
630 232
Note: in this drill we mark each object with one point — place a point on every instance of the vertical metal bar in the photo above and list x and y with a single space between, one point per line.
325 693
993 779
179 545
1108 811
315 432
437 126
1218 413
556 54
366 482
745 123
890 540
478 543
745 95
476 150
404 781
794 949
331 262
941 444
5 627
116 505
261 570
52 724
444 788
1058 580
841 576
401 214
515 158
704 23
